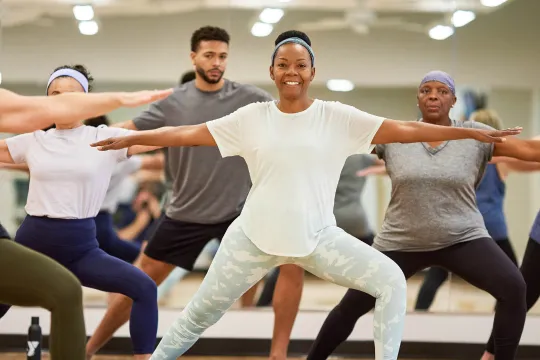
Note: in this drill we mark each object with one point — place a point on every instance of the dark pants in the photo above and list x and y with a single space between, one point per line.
436 276
110 242
32 279
267 293
530 269
73 244
480 262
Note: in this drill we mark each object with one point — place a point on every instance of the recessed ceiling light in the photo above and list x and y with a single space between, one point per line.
441 32
88 27
339 85
492 3
83 12
260 29
461 18
271 16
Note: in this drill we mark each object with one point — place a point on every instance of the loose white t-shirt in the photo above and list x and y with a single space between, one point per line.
68 178
120 173
294 161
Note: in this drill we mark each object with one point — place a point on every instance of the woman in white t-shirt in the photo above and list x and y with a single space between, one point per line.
68 183
295 149
28 277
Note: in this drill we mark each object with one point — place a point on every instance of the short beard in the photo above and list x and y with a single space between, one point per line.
202 73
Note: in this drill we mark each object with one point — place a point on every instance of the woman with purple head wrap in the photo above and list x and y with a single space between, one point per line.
433 220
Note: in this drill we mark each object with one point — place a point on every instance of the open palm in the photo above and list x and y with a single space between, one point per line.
138 98
114 143
496 136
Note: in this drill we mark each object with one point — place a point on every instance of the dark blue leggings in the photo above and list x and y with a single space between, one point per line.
73 244
110 242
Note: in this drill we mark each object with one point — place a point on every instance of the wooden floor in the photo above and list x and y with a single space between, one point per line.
45 357
453 296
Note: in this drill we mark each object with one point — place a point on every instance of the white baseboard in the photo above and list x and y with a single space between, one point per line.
257 324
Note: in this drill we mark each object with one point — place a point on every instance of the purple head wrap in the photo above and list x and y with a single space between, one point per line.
440 76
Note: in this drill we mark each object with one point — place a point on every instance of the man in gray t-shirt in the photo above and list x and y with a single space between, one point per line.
208 191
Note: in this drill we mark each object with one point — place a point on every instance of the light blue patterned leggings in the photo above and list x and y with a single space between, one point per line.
339 258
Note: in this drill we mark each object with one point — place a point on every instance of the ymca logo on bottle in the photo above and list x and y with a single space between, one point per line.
32 347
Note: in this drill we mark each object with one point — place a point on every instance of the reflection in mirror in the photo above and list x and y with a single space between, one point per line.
369 54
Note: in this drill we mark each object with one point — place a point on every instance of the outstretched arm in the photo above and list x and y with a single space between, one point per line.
395 131
20 114
516 165
526 150
168 136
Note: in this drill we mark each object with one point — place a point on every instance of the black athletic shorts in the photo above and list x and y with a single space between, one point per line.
180 243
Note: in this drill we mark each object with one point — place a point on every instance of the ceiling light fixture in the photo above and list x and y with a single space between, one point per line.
461 18
271 16
441 32
341 85
83 12
88 27
492 3
260 29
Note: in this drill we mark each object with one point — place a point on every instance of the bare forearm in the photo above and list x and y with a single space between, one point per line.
533 150
163 137
30 113
525 150
416 131
170 136
139 149
74 106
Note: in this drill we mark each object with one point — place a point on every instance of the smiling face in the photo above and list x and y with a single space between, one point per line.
435 100
292 71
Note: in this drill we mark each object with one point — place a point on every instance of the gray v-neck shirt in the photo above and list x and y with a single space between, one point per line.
433 200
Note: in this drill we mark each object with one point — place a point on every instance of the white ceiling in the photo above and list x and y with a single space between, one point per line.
359 15
498 49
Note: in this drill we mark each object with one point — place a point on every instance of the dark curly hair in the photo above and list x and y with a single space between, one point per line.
208 33
292 33
83 70
187 77
97 121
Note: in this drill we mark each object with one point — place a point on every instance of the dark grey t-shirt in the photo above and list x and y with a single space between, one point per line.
433 200
348 209
206 188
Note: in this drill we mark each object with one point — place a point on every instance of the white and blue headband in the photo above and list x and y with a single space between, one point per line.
295 40
81 79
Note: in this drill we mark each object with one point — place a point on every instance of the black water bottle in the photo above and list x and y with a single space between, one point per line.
33 350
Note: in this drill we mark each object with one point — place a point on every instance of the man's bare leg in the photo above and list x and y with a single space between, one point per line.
119 308
248 299
286 301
